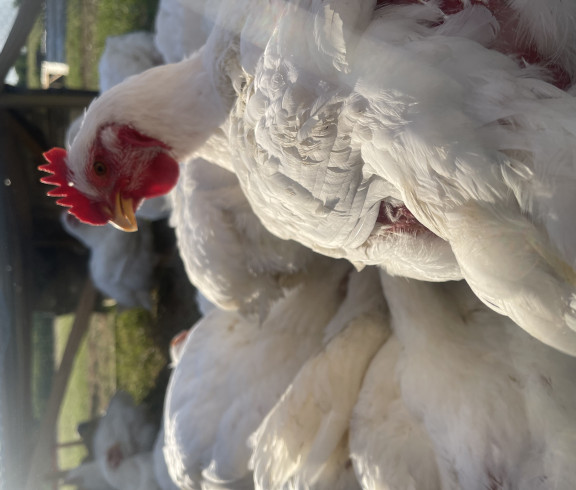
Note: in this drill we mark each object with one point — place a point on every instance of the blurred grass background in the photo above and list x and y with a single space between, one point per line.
89 23
120 350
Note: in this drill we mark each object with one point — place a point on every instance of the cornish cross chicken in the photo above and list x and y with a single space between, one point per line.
121 265
123 442
249 268
231 372
434 139
126 55
460 398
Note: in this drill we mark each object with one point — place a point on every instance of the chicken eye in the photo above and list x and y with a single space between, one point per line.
100 169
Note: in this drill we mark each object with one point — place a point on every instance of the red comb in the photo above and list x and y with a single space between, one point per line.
80 205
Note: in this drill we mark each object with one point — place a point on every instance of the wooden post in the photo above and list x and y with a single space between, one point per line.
77 442
16 98
40 463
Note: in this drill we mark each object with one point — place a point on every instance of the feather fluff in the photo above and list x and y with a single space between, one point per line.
246 366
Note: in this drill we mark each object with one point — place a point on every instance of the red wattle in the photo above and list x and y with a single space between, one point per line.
160 176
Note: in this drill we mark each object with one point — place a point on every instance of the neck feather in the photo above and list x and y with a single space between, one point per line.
177 104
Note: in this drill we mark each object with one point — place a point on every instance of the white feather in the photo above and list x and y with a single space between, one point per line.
229 256
232 371
303 442
121 264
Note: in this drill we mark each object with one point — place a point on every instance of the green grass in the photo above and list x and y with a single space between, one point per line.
91 384
118 352
76 404
138 359
32 50
79 32
90 22
42 362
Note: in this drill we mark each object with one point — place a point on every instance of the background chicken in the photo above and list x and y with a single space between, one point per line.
123 444
126 55
250 268
121 264
231 372
180 29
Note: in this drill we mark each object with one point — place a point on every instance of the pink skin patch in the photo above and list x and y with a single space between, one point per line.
507 41
399 219
179 338
114 456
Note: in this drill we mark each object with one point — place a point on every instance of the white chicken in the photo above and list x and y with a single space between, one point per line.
180 29
122 267
126 55
160 467
410 137
121 264
417 138
123 431
246 366
404 141
389 445
459 398
250 267
87 476
303 441
136 472
161 471
123 443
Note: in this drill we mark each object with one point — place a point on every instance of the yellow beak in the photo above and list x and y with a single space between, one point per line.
123 216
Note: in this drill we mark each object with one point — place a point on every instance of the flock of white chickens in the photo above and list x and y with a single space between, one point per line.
375 202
